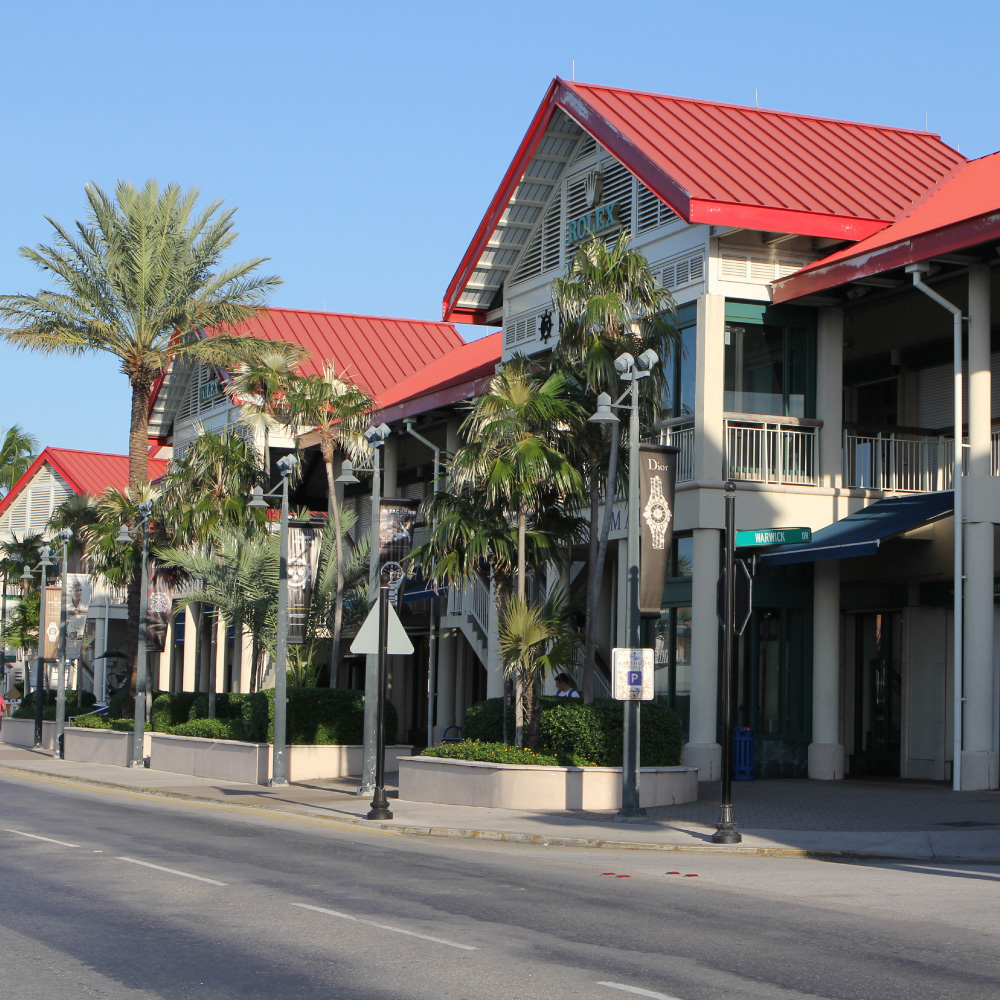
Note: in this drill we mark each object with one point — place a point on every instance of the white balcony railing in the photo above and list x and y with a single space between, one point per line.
679 432
771 450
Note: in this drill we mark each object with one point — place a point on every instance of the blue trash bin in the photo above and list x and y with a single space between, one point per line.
742 753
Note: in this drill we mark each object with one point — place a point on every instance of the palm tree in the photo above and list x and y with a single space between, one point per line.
139 280
609 302
17 449
513 458
536 640
340 411
14 556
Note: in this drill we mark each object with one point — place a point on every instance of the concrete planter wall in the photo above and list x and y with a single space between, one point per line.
520 786
21 733
101 746
229 760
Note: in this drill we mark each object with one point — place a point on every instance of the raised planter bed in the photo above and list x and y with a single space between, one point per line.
21 733
101 746
524 786
229 760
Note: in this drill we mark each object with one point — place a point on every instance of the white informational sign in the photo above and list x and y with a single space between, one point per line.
631 674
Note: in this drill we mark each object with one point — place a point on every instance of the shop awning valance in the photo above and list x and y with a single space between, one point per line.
861 533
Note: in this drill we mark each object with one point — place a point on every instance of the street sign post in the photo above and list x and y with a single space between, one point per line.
742 600
763 537
631 674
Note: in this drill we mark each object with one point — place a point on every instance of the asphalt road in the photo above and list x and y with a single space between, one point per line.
114 895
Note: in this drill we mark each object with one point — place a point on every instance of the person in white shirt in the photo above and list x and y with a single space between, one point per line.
566 687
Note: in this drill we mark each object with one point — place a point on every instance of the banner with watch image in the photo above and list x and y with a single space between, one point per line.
657 473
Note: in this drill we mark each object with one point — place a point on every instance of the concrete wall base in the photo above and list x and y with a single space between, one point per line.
101 746
21 733
980 770
545 788
826 761
707 757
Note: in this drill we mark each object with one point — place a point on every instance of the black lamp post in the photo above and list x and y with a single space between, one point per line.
64 536
44 562
630 370
375 436
125 536
279 749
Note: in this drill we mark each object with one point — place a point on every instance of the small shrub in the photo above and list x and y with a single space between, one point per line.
91 722
123 725
169 709
26 710
493 753
587 735
210 729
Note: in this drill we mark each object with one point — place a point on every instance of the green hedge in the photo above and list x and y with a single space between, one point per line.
581 734
101 722
210 729
313 716
493 753
26 710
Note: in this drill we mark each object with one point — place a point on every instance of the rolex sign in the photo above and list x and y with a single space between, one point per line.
657 471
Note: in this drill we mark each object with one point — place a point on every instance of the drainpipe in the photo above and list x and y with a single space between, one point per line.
918 271
432 639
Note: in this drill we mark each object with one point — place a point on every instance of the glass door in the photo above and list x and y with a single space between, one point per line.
878 686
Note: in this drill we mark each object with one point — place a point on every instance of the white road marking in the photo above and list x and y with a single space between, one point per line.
171 871
638 992
386 927
48 840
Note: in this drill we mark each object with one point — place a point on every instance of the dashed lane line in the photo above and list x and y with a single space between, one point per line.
637 991
171 871
385 927
48 840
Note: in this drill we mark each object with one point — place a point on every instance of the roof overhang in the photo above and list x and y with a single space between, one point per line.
924 246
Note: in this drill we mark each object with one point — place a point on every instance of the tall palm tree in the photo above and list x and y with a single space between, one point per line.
512 455
14 556
140 279
340 411
17 448
609 302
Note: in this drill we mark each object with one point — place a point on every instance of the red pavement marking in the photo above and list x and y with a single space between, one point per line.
690 876
623 876
673 873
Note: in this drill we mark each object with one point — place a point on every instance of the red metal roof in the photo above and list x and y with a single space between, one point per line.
447 380
737 166
374 351
961 212
83 471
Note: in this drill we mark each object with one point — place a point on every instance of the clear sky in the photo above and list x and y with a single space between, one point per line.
363 142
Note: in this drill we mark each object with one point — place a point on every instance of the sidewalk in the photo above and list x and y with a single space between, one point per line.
850 819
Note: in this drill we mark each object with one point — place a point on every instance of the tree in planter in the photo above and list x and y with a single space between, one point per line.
340 411
608 302
514 434
14 556
140 279
536 640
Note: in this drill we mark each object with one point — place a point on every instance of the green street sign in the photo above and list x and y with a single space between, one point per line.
772 536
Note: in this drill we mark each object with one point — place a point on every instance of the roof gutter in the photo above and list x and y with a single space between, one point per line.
918 270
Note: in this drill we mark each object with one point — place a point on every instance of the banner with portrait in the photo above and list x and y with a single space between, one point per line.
78 594
159 605
304 541
396 522
657 473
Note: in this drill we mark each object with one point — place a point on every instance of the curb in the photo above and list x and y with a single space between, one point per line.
495 836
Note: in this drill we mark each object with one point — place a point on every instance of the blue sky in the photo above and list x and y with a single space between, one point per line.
362 143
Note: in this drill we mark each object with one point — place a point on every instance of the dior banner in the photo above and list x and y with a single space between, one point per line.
53 611
304 541
159 604
657 472
78 592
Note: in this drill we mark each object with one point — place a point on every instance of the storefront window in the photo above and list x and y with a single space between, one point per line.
679 368
768 369
672 656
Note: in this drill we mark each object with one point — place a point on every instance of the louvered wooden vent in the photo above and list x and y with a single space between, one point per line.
652 213
542 253
760 267
684 269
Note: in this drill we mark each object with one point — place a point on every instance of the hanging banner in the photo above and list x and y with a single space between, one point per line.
396 521
304 541
78 593
657 473
159 604
53 611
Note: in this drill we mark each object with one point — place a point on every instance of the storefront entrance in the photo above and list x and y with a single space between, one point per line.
878 685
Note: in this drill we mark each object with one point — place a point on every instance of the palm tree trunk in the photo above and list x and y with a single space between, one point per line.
602 553
589 643
338 600
520 686
213 654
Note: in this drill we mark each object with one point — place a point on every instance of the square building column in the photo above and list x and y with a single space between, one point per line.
702 750
830 395
979 756
826 752
710 349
